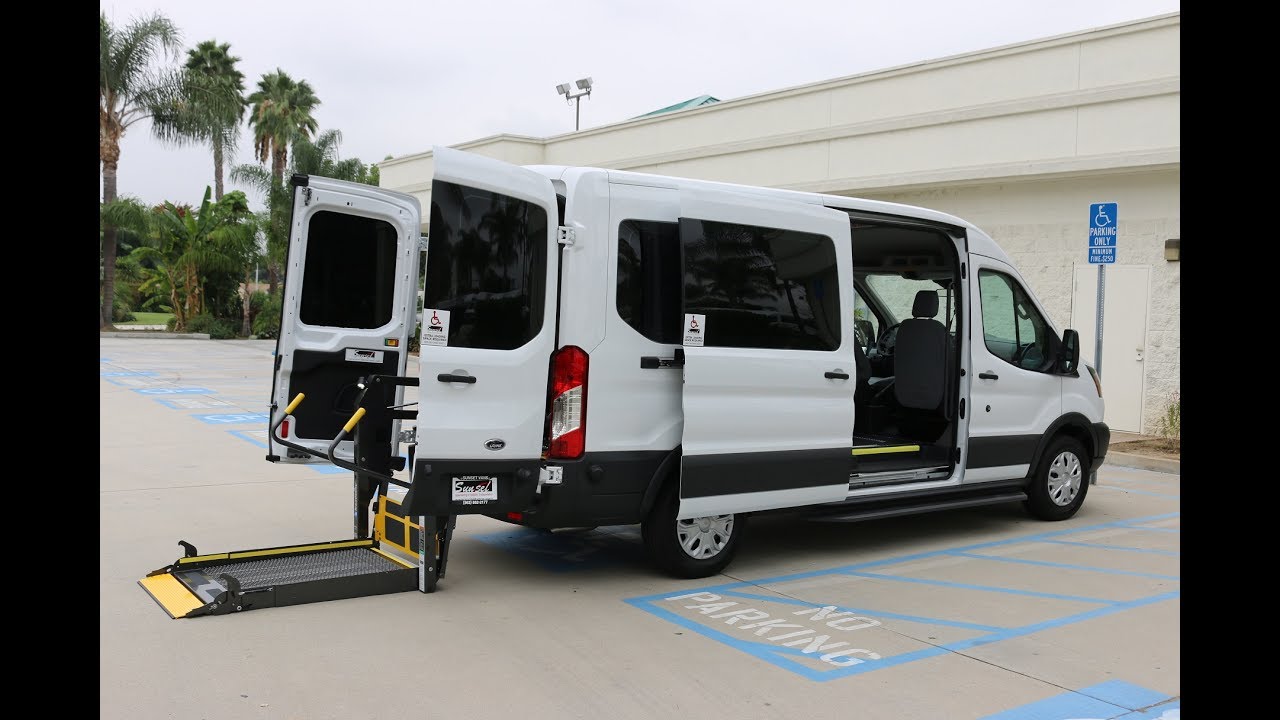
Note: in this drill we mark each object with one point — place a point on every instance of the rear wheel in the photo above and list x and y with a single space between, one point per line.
1060 481
693 547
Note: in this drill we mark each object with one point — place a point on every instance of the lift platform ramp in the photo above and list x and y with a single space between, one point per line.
406 548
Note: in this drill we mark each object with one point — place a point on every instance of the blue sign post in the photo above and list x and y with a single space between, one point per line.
1103 233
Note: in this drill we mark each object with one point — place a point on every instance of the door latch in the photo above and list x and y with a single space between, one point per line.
566 235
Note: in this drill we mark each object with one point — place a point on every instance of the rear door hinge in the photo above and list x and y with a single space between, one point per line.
566 235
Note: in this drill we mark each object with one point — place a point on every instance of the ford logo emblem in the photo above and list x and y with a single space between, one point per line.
495 444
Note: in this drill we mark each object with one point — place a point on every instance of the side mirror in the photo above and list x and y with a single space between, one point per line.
1069 360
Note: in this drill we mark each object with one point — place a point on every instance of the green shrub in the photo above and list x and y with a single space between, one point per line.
172 324
217 328
121 314
415 342
1170 424
267 322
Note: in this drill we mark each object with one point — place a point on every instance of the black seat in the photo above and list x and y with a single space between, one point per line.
920 356
862 366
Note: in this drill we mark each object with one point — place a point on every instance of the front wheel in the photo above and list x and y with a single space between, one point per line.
1060 481
693 547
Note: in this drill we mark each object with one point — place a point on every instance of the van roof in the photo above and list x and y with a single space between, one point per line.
979 241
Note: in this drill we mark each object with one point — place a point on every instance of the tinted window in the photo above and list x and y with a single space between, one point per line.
761 287
349 275
649 278
1012 328
486 265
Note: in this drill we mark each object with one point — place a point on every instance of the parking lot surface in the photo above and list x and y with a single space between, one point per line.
983 613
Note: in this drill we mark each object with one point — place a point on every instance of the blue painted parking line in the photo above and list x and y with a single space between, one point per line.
128 373
1153 529
868 611
569 552
984 588
1067 566
193 403
246 436
731 614
1122 548
174 391
233 418
1111 699
323 469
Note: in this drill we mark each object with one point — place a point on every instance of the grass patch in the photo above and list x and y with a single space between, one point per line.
149 318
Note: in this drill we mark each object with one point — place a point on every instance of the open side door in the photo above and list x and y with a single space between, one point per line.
348 310
489 316
769 363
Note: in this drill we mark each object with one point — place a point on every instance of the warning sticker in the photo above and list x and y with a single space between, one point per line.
694 329
435 328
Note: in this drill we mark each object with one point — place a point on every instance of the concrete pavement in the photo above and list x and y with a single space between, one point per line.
982 613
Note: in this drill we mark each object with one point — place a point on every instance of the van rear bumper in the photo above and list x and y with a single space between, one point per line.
603 488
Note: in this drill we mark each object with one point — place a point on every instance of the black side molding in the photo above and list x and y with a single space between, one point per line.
299 180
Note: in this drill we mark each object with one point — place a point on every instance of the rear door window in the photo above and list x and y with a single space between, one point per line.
486 265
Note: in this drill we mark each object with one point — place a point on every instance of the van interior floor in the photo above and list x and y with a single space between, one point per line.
882 453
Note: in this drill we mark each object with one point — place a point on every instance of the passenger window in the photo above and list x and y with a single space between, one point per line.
349 275
1013 329
761 287
648 292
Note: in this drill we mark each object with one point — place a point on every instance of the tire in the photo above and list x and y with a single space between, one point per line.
1060 481
711 550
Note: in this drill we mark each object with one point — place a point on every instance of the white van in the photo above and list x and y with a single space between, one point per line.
604 347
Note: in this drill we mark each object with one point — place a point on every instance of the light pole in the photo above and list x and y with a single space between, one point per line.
584 88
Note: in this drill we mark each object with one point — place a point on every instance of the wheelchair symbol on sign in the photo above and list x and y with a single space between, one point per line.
1102 219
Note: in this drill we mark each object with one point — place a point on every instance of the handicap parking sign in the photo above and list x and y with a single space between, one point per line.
1103 233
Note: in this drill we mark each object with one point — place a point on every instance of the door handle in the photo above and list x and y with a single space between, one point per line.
653 362
835 375
450 377
988 376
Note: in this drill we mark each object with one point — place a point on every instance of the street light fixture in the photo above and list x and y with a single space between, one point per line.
584 87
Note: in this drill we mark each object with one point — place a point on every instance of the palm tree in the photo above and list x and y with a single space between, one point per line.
130 89
281 114
214 64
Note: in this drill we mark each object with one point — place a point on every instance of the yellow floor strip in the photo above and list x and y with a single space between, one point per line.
881 449
276 551
170 594
392 558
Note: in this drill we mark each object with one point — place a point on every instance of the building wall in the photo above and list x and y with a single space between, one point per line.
1017 139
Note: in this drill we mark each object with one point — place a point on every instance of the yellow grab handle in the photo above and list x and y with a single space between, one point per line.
288 410
351 424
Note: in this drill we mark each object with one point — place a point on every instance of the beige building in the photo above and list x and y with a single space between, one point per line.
1018 140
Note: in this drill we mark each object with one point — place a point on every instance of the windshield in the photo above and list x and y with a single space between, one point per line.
897 294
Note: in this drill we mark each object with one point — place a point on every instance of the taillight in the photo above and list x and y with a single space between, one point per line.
567 401
284 428
1097 381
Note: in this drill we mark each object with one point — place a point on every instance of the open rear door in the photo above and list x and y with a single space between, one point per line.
349 301
769 369
489 319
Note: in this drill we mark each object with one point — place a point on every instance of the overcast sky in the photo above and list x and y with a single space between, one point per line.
398 76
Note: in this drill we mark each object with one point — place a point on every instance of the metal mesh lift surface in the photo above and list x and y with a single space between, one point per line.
347 562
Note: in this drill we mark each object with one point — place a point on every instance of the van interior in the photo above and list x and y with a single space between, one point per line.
906 316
